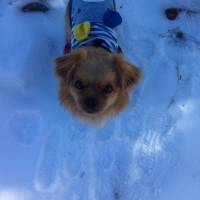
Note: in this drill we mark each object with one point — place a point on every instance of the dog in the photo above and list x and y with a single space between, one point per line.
95 79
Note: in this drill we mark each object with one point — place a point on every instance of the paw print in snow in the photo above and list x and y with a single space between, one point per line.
47 173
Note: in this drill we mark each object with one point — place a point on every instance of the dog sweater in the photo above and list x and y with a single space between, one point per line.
97 18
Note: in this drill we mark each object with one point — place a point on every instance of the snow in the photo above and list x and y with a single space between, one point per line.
148 152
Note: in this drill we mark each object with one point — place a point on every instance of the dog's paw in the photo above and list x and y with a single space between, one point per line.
35 7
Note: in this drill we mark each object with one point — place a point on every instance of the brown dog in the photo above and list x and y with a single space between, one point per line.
94 83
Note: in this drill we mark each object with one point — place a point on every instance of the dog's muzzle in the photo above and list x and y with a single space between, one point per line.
91 104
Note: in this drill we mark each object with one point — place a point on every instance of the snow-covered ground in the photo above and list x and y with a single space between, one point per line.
151 151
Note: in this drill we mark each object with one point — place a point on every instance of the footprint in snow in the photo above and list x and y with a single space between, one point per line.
112 165
74 156
104 155
154 157
120 173
47 174
179 46
26 127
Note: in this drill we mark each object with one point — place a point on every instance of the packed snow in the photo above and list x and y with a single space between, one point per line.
148 152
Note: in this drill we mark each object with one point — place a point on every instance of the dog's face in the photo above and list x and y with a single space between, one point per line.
94 84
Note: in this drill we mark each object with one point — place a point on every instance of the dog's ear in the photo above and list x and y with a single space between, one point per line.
66 64
131 74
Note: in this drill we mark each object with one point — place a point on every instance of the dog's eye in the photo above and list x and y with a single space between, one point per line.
79 85
108 89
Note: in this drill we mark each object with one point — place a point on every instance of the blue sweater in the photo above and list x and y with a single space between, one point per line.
94 12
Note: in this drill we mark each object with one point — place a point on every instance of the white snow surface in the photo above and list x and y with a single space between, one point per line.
151 151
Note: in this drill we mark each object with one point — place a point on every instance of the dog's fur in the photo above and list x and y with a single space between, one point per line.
94 83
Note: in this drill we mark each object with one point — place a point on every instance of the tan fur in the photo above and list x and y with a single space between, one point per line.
96 69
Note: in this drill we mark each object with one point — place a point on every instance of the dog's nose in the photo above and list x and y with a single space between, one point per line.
91 104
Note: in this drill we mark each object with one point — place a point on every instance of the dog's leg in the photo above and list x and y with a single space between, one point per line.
114 3
68 23
67 48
